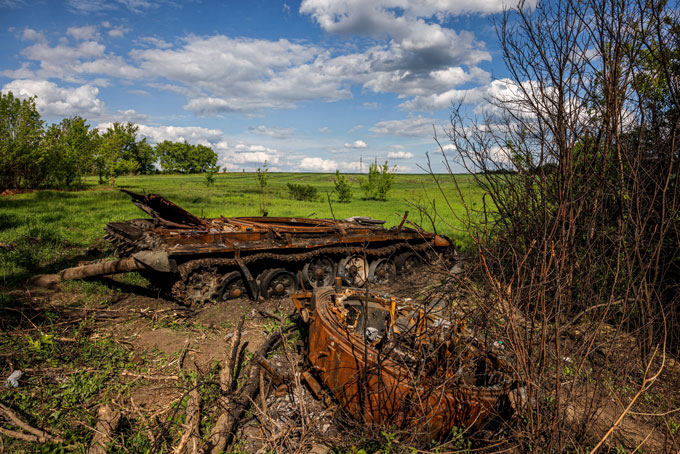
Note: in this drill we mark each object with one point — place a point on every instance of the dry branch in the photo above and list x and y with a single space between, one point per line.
191 440
34 434
227 422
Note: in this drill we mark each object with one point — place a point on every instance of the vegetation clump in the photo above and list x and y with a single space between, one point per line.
342 188
379 181
303 192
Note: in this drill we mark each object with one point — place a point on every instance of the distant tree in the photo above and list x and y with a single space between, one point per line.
71 146
181 157
342 187
117 152
22 161
379 182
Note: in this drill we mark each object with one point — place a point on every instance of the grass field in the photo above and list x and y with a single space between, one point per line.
43 231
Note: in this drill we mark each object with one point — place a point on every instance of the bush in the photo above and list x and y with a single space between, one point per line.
342 187
303 192
379 182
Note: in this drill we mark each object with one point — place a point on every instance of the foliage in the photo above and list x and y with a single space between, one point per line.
181 157
262 180
71 145
303 192
379 182
580 167
22 160
342 188
119 153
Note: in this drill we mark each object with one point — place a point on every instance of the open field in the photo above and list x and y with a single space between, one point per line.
44 231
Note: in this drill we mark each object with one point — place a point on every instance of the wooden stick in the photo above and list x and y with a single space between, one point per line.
36 434
227 422
227 374
193 418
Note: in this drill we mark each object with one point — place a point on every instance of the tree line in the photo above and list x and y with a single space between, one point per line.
36 155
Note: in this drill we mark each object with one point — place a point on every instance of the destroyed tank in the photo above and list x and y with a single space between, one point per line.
197 260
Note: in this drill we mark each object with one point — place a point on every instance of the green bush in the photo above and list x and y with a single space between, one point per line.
379 182
342 187
303 192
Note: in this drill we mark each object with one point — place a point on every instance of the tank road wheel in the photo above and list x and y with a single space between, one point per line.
233 286
382 271
353 270
277 283
319 272
200 287
408 262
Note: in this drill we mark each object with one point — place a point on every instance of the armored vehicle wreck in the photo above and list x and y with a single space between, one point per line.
196 260
395 363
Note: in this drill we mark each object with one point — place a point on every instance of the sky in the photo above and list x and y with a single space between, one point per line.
316 85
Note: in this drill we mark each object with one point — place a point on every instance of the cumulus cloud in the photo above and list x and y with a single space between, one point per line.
59 101
84 33
28 34
250 155
277 133
399 155
70 62
356 144
317 164
409 127
191 134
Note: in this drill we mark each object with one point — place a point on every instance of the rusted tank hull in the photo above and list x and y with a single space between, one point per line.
378 390
223 258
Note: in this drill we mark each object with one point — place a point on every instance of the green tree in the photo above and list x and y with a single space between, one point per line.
22 161
70 145
117 152
379 181
342 187
181 157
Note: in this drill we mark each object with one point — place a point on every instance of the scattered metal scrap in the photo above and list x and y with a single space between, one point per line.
391 362
196 260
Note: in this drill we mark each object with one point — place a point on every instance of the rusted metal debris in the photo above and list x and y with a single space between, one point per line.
197 260
391 362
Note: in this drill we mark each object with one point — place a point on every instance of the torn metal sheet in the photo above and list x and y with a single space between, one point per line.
393 363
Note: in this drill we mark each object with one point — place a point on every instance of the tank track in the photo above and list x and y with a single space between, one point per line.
199 278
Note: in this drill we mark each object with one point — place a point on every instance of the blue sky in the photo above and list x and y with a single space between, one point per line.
316 85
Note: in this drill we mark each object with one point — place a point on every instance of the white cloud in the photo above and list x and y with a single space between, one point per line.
399 155
28 34
117 32
156 42
277 133
323 130
53 100
410 127
191 134
84 33
243 153
356 144
317 164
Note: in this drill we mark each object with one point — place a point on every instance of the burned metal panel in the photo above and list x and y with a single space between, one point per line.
375 386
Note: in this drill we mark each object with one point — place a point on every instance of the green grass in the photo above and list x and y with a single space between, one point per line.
45 231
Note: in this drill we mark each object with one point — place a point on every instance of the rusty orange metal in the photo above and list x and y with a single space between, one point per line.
381 380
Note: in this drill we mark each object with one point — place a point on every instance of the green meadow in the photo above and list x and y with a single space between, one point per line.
43 231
